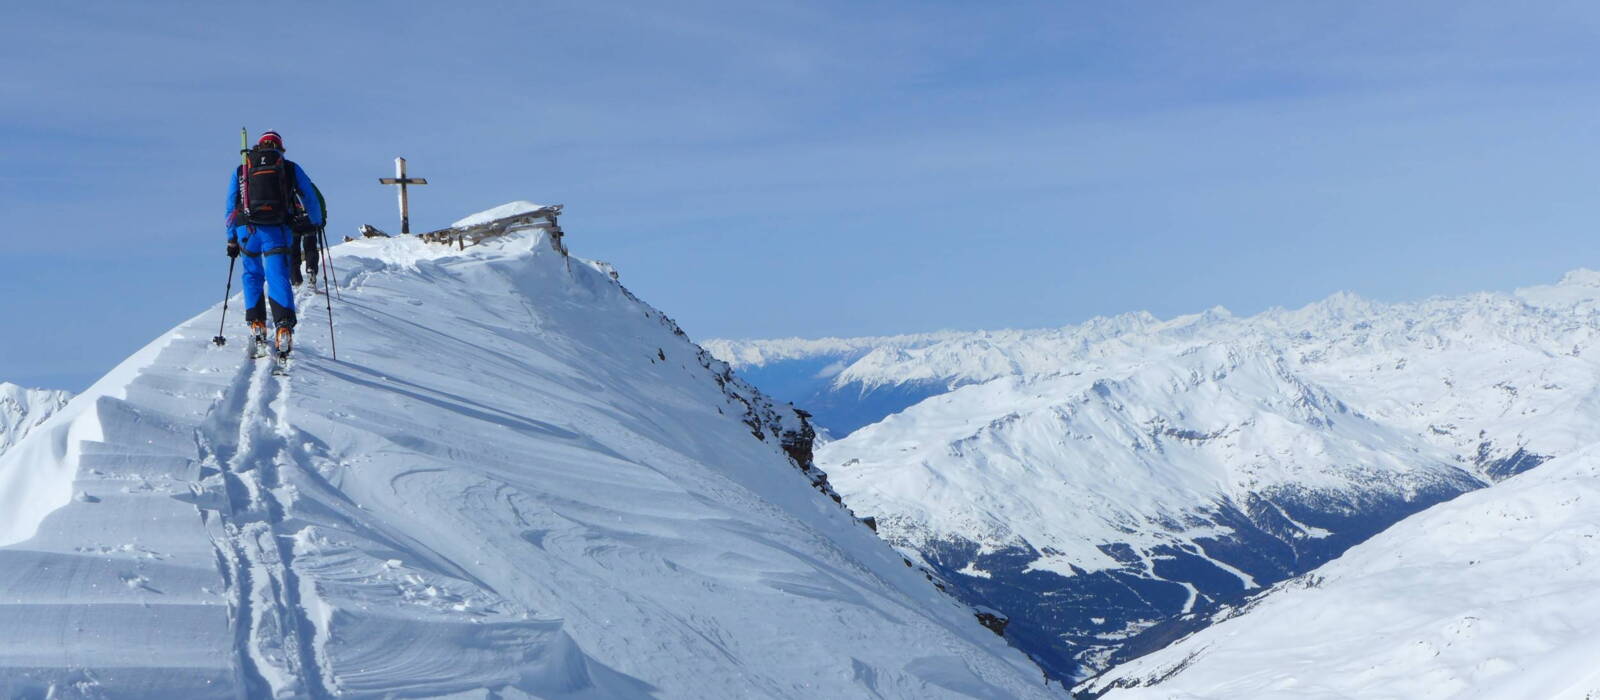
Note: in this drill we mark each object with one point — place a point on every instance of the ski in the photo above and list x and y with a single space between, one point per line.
280 353
257 345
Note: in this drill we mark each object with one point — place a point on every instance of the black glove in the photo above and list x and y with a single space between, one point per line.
233 249
301 223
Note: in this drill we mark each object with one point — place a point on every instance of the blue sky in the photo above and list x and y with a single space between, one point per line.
820 168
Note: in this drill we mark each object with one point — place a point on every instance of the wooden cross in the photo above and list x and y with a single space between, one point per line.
401 180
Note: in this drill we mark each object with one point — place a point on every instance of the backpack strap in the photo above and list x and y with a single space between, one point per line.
290 188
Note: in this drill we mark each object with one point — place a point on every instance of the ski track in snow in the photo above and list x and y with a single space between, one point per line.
246 444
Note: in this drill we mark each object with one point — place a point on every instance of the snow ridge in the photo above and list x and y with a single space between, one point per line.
755 353
518 480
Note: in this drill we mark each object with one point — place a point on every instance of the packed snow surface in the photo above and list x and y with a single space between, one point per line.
1491 595
516 481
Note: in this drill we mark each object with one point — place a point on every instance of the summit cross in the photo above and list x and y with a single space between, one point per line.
401 180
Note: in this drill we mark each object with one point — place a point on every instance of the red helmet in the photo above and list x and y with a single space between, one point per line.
270 138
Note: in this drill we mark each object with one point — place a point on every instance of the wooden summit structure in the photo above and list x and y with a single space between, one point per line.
462 236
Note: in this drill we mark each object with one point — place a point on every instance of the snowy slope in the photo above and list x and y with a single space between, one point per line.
1488 596
1097 482
23 409
516 481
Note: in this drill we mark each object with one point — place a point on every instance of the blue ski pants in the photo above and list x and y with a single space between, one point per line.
266 259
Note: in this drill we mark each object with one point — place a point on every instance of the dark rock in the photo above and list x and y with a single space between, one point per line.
995 623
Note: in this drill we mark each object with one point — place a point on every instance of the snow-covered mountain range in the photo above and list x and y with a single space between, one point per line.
1104 485
516 481
1488 596
22 409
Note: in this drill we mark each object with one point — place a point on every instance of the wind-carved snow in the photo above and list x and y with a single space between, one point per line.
1132 469
518 480
500 212
1488 596
23 409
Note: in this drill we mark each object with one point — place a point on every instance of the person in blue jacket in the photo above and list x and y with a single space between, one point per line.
262 215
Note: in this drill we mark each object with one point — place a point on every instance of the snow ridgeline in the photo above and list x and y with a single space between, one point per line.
1106 485
1488 596
518 481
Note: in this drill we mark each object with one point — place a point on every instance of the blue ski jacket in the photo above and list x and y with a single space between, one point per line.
307 195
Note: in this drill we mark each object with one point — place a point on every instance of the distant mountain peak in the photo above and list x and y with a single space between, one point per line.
23 409
1161 467
1581 277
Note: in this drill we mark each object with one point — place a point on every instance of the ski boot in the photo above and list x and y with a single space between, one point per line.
285 343
258 339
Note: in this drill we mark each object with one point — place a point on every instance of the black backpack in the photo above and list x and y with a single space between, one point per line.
267 190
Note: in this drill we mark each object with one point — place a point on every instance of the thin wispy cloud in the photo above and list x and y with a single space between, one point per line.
816 168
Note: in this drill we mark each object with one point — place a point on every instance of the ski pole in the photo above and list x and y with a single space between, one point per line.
332 342
324 263
322 260
332 276
220 340
327 297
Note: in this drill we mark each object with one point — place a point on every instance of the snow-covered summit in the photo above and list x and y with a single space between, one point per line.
954 358
22 409
1578 290
756 353
1344 338
517 480
500 212
1582 277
